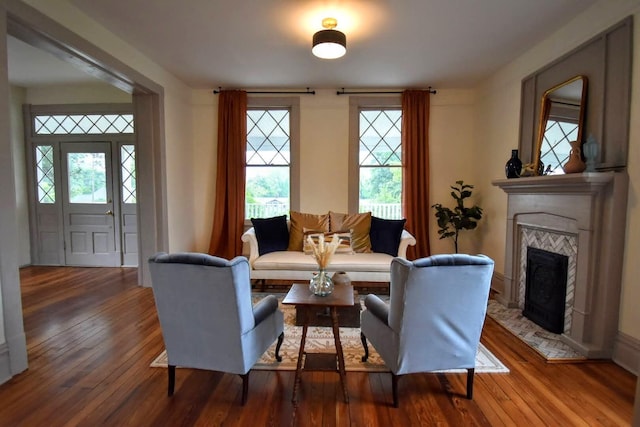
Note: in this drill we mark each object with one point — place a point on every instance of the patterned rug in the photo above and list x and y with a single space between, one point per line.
320 340
548 344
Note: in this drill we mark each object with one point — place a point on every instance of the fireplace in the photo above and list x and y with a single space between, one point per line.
581 216
546 287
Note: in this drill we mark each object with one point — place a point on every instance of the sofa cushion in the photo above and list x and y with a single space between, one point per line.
300 221
344 236
385 235
359 224
298 261
272 234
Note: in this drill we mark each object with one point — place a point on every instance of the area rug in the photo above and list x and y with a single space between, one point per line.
320 340
547 344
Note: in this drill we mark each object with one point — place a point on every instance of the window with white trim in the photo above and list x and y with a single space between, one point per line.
45 176
377 168
271 159
81 124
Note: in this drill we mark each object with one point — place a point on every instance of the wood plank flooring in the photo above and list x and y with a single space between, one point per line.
92 332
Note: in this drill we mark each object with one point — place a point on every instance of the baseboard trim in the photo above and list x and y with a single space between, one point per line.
497 282
626 352
5 363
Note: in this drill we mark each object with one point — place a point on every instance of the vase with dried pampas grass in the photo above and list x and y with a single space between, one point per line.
321 283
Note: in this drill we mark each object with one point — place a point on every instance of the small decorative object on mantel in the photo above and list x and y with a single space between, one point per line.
513 166
321 284
527 170
575 163
590 150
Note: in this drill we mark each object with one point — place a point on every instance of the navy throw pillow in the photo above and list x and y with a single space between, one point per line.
385 235
272 234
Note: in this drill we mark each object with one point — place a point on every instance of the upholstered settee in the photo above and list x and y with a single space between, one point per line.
373 243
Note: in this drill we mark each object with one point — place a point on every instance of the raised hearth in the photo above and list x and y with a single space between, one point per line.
581 216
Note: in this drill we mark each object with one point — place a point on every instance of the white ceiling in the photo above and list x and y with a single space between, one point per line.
390 44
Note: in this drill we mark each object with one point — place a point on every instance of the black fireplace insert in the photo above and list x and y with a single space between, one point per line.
546 289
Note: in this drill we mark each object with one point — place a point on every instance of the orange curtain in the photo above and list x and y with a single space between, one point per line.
415 165
228 213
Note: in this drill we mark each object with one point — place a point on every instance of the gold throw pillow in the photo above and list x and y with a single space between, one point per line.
359 224
300 221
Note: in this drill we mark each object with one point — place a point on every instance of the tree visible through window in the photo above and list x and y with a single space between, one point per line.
87 177
268 162
380 162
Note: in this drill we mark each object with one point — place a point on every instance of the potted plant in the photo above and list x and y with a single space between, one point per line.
451 222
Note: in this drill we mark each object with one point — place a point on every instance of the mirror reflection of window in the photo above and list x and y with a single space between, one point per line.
561 121
561 129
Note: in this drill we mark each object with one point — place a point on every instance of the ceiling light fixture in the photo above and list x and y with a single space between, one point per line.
329 43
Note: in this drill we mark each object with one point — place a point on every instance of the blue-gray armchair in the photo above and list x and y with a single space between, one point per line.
437 307
207 317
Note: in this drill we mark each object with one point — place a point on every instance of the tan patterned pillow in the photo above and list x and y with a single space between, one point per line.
359 224
300 221
344 236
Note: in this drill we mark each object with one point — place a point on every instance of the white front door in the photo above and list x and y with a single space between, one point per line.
88 208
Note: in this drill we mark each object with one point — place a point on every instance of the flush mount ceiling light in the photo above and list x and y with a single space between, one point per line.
329 43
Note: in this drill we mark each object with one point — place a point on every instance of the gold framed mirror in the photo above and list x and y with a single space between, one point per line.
562 110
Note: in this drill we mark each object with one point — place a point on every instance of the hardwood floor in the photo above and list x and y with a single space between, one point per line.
92 332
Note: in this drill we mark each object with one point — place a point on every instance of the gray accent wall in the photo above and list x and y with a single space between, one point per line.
606 62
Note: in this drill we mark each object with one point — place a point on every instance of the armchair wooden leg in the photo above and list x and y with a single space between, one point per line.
280 339
394 388
366 348
171 370
245 387
470 373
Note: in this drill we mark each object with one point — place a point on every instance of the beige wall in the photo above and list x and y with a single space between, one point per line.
498 124
324 155
452 143
204 124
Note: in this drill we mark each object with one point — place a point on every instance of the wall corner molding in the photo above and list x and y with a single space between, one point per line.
5 364
626 352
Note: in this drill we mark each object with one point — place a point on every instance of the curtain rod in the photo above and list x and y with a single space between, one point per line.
368 92
273 92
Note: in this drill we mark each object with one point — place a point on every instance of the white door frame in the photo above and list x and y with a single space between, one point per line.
51 244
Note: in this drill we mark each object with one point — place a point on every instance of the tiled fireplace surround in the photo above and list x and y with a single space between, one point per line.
581 216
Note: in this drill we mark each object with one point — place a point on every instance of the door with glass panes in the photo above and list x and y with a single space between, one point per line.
87 204
83 174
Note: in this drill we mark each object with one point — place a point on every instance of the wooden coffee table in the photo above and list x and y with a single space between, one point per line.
349 316
305 301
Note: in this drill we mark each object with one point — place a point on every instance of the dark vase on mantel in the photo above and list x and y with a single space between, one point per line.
513 166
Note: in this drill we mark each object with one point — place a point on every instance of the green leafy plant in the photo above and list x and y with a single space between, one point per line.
451 222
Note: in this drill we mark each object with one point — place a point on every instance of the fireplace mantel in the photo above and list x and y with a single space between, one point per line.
589 210
553 184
